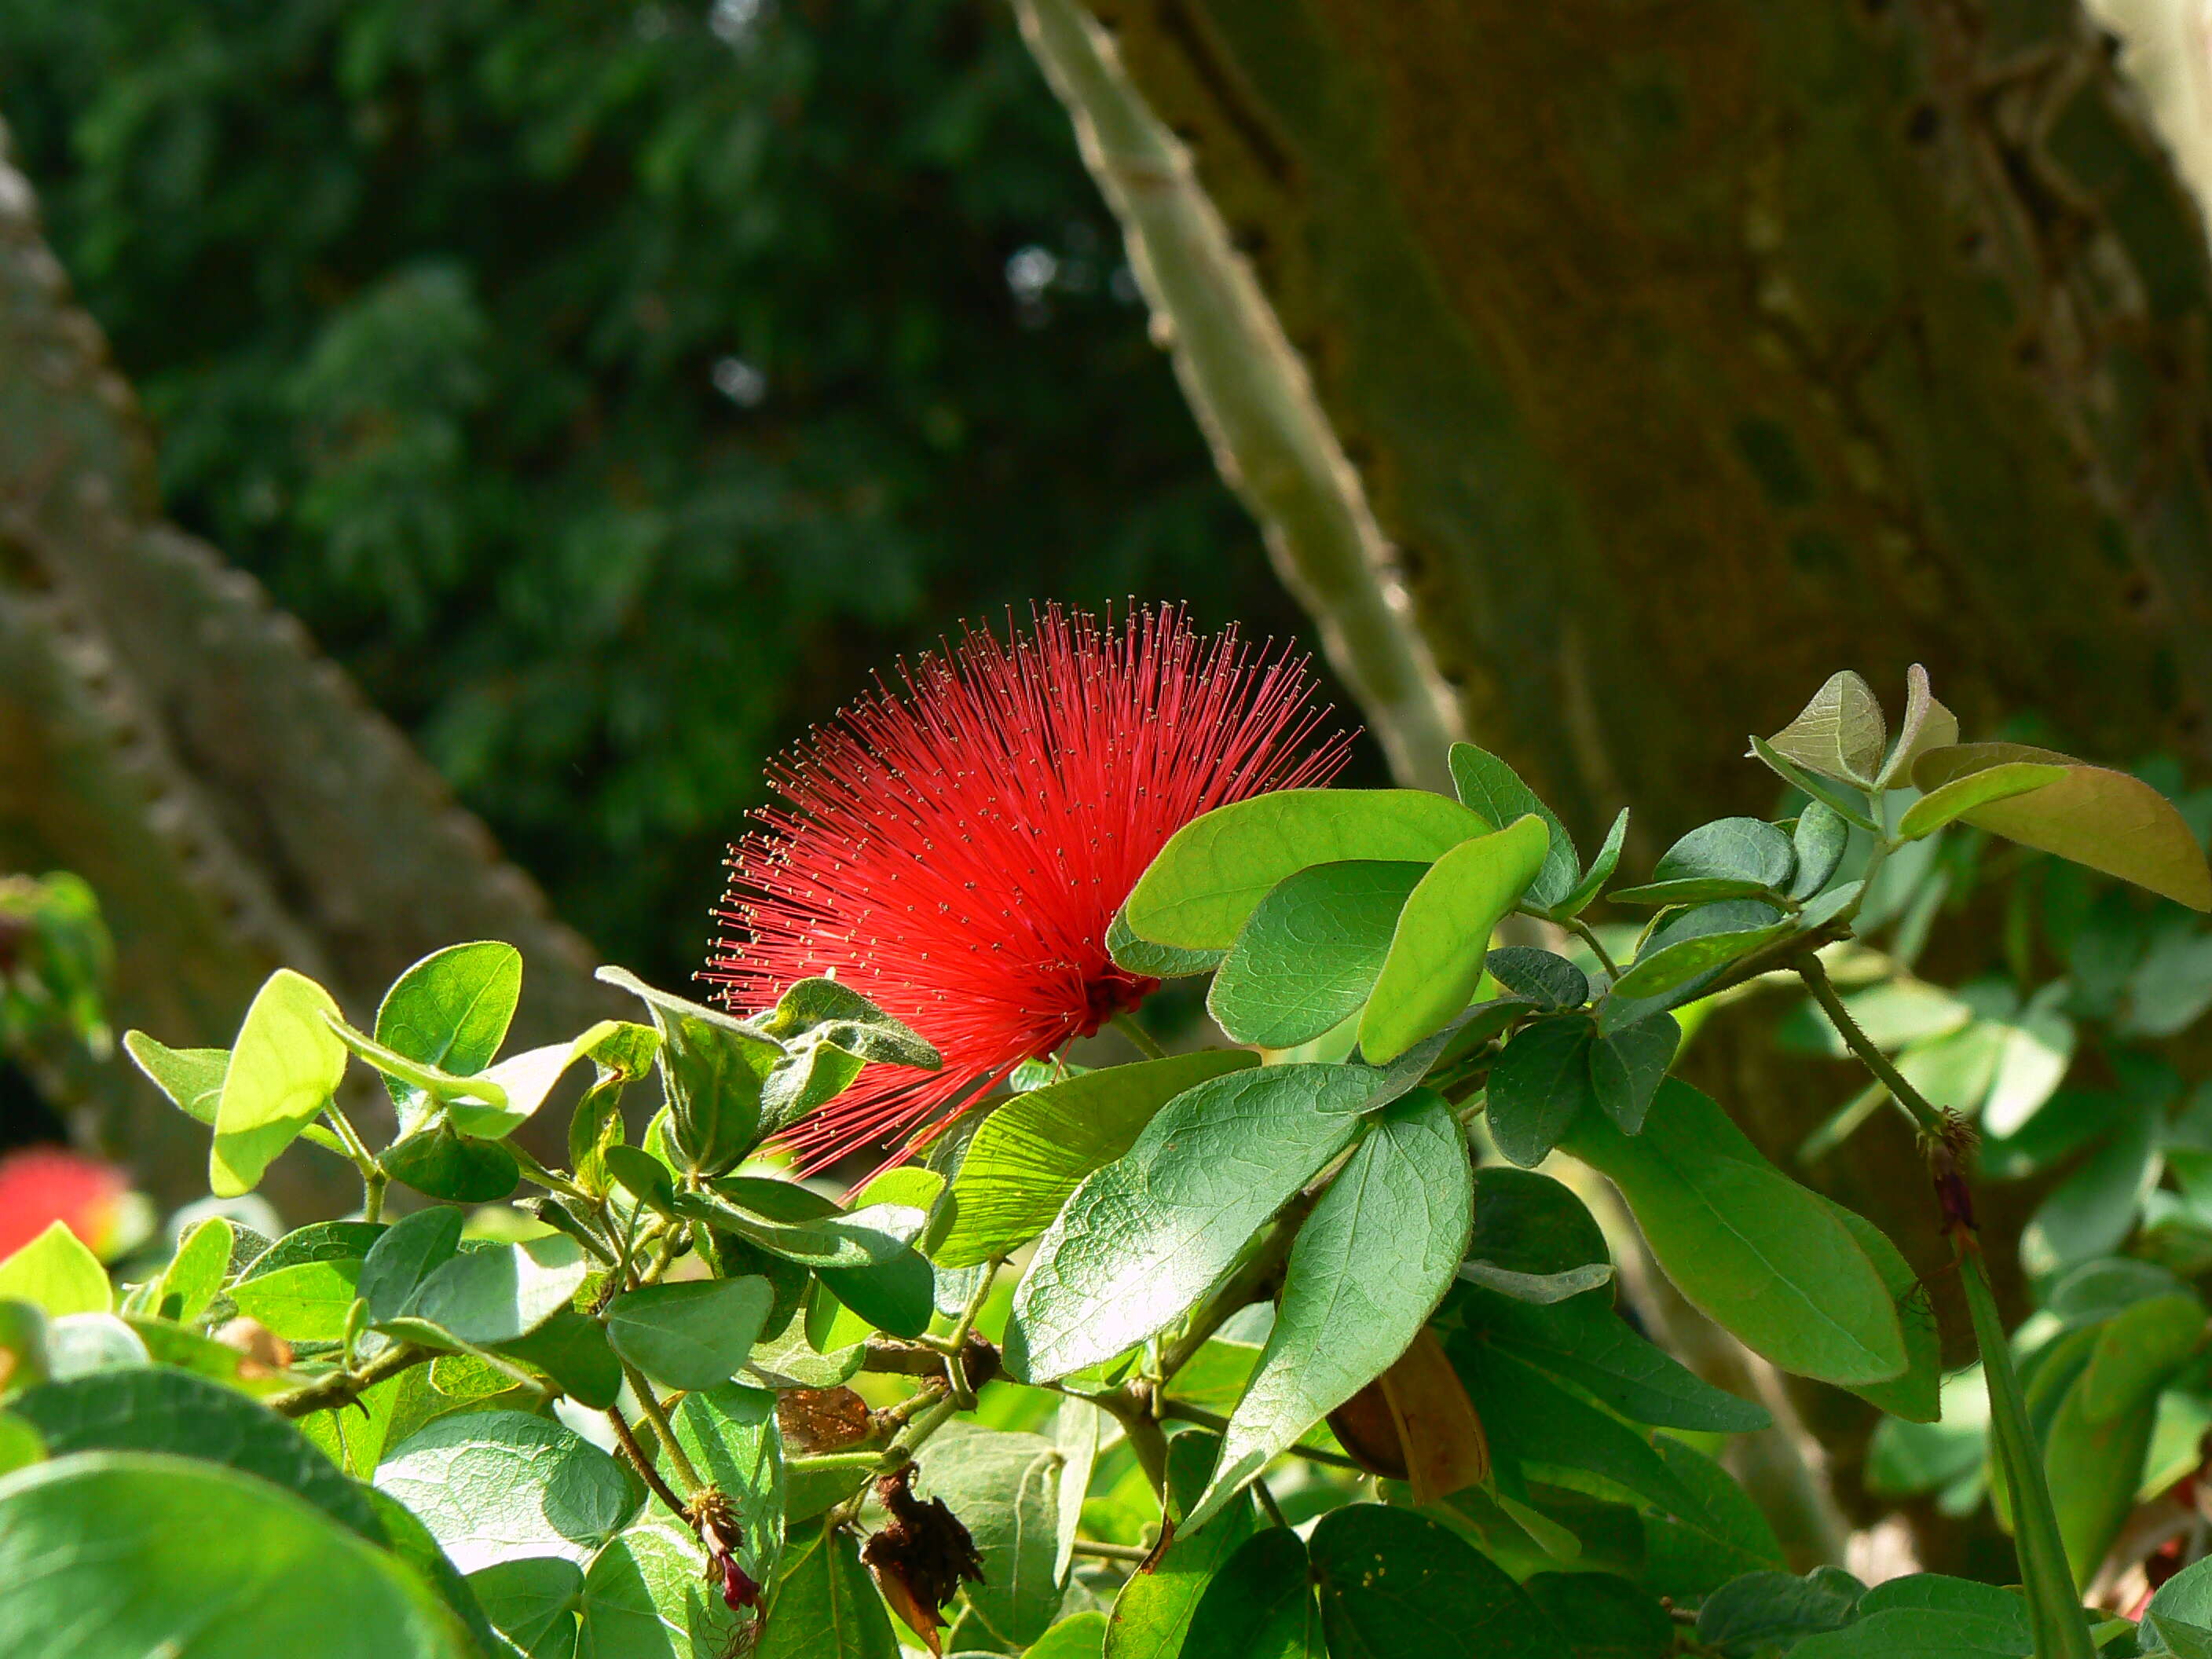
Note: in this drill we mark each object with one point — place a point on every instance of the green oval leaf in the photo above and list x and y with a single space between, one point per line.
1696 943
1215 869
451 1012
824 1605
690 1336
284 1067
648 1595
489 1296
1538 1084
492 1485
106 1553
2091 815
1006 1489
1306 959
730 1435
1586 1341
1531 1224
1627 1065
1730 849
1261 1605
1600 871
440 1164
1761 1255
1369 1267
1153 1613
1546 979
195 1271
306 1303
1145 1236
1820 842
1443 937
1030 1153
409 1252
57 1274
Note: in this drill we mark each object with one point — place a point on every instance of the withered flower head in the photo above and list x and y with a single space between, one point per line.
920 1559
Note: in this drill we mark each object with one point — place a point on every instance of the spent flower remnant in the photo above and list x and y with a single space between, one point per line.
955 848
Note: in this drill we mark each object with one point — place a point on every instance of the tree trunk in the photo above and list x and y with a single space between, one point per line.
1689 353
1684 355
170 736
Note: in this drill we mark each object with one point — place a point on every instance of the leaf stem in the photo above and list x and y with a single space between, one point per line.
533 1171
1181 1413
1588 934
372 1178
1104 1552
1147 1044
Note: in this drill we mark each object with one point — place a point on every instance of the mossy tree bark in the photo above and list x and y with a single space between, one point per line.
1683 354
172 737
1689 353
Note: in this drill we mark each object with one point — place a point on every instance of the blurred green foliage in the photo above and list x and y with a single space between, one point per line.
610 386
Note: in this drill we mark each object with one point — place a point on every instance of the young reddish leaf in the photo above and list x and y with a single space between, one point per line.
2088 814
1839 733
1928 725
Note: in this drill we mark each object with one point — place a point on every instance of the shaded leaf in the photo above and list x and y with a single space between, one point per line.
1544 978
1487 786
1539 1082
450 1011
692 1335
1758 1252
493 1485
1395 1584
117 1553
57 1274
1308 956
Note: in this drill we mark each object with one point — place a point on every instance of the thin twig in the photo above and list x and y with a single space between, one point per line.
1106 1551
1914 1104
1147 1044
649 1403
1588 934
642 1462
343 1387
1183 1412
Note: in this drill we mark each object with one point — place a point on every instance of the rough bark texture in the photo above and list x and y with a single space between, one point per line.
169 735
1690 352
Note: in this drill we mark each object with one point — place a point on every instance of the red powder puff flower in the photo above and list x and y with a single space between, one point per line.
41 1185
955 849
